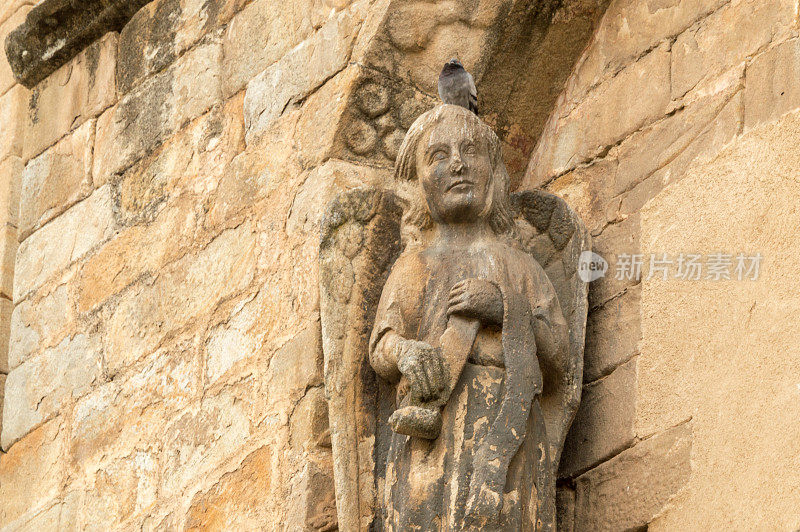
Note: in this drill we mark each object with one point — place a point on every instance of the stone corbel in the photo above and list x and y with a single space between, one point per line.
55 31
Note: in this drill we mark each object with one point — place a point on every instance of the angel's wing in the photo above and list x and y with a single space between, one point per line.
555 235
360 241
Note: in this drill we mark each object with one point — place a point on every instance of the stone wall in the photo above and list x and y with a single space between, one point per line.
165 187
165 367
671 137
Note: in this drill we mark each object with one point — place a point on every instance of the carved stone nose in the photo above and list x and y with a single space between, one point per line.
457 166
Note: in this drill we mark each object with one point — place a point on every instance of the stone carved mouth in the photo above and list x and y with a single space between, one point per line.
454 184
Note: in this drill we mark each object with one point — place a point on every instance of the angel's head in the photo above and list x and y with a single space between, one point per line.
456 159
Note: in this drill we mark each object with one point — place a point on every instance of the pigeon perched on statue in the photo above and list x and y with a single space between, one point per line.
457 87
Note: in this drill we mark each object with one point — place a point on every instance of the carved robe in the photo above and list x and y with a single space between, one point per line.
427 482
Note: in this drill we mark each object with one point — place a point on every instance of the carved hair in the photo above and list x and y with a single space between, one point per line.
498 207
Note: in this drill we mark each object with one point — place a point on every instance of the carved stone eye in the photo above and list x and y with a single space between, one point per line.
439 155
470 149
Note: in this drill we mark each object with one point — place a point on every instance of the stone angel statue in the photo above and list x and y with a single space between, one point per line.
453 359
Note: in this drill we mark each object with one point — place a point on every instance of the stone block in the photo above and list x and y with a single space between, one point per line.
238 500
609 113
629 490
620 238
15 19
688 152
39 389
135 252
700 54
588 190
299 72
38 323
12 6
198 442
8 252
13 105
308 427
32 471
6 308
772 87
119 490
613 332
297 365
261 34
162 31
238 338
312 500
157 109
604 424
10 179
131 412
658 145
63 241
192 161
182 293
56 179
76 92
629 28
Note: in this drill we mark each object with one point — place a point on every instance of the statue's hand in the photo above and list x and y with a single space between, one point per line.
477 298
423 366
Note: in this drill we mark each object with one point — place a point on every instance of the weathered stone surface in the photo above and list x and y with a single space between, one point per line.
604 425
621 238
8 251
32 471
200 440
628 29
299 72
162 31
10 179
772 86
565 509
118 490
588 190
78 91
309 422
261 34
610 112
55 31
64 240
131 412
57 179
613 332
182 292
700 54
628 491
12 6
39 388
237 500
39 322
193 162
12 108
312 503
297 365
12 22
158 108
723 352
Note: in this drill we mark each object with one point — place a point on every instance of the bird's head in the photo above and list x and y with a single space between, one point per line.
453 65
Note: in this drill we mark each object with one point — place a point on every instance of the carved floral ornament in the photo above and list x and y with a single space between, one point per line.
453 330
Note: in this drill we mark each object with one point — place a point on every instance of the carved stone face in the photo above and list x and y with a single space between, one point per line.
455 170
